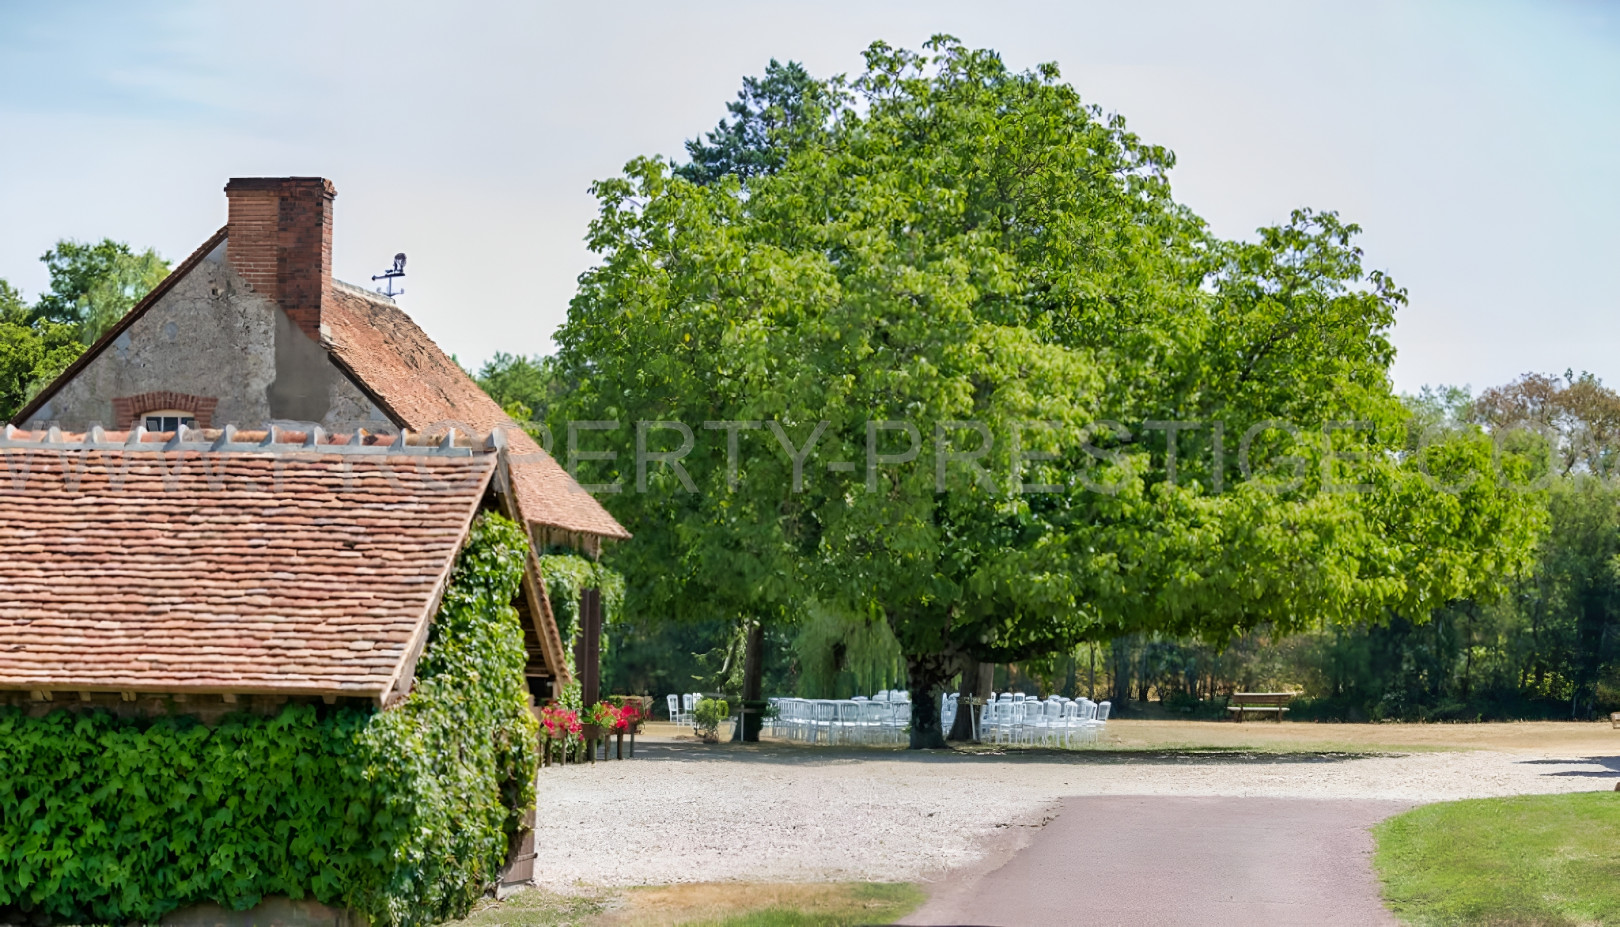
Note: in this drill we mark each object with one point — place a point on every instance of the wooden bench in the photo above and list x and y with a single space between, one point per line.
1267 703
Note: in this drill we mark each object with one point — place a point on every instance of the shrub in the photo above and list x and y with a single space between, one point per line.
708 714
403 816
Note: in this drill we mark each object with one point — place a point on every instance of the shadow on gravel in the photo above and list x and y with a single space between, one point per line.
1609 766
805 754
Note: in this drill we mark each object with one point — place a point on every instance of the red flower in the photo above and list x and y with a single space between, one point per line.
559 721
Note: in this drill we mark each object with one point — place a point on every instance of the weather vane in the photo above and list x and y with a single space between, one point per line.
390 275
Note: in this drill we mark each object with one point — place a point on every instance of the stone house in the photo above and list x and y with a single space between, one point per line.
358 452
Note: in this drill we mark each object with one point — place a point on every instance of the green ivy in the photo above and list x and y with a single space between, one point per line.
404 816
567 575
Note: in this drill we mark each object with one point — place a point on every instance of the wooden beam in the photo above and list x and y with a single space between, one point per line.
545 621
40 695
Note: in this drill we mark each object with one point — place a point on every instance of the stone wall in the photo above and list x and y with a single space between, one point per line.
212 336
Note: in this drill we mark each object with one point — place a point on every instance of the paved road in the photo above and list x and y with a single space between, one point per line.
1123 861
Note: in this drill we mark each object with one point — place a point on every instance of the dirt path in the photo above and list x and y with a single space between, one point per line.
1123 861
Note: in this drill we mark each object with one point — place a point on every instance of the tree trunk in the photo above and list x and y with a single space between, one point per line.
1091 684
976 680
1142 680
754 662
926 674
1590 624
753 681
1119 650
1468 656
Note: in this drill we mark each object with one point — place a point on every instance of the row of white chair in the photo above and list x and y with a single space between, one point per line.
1013 718
682 706
834 721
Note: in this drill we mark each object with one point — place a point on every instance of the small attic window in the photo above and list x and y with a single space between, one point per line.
168 420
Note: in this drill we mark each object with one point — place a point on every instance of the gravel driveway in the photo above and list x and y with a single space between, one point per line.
683 812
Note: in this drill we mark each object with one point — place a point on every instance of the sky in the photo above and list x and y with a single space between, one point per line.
1477 143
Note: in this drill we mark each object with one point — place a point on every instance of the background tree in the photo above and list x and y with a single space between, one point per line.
31 352
525 387
772 115
1577 416
94 285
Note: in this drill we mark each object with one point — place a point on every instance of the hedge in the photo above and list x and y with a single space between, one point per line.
403 816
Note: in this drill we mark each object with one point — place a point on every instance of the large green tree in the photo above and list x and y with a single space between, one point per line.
944 344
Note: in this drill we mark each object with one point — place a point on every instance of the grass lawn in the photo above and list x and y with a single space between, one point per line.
1541 860
706 905
1133 735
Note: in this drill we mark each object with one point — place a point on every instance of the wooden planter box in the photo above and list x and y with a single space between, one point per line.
594 733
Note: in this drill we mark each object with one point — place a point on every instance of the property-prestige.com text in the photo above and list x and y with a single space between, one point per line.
1273 455
669 456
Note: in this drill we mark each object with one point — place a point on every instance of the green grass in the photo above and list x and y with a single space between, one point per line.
865 903
534 908
1529 861
835 904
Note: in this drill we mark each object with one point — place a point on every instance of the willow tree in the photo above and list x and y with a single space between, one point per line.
985 378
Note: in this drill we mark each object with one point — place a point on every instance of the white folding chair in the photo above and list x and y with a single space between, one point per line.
848 720
874 718
1086 726
1068 716
796 718
689 707
1101 719
674 703
1049 726
823 720
899 719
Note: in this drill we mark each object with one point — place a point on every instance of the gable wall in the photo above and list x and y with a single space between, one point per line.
211 336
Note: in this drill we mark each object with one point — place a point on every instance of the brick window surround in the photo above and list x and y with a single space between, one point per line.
127 410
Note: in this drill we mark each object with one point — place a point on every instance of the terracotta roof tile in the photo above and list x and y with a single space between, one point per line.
284 570
418 384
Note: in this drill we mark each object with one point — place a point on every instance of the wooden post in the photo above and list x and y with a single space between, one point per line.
588 649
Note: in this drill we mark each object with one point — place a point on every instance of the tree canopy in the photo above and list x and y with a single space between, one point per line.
956 360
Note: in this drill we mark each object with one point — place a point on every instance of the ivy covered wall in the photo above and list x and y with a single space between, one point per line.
566 575
403 816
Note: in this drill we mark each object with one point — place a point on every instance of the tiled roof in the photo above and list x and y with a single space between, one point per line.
423 389
308 565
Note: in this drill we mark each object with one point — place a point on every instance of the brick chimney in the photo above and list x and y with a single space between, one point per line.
280 242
